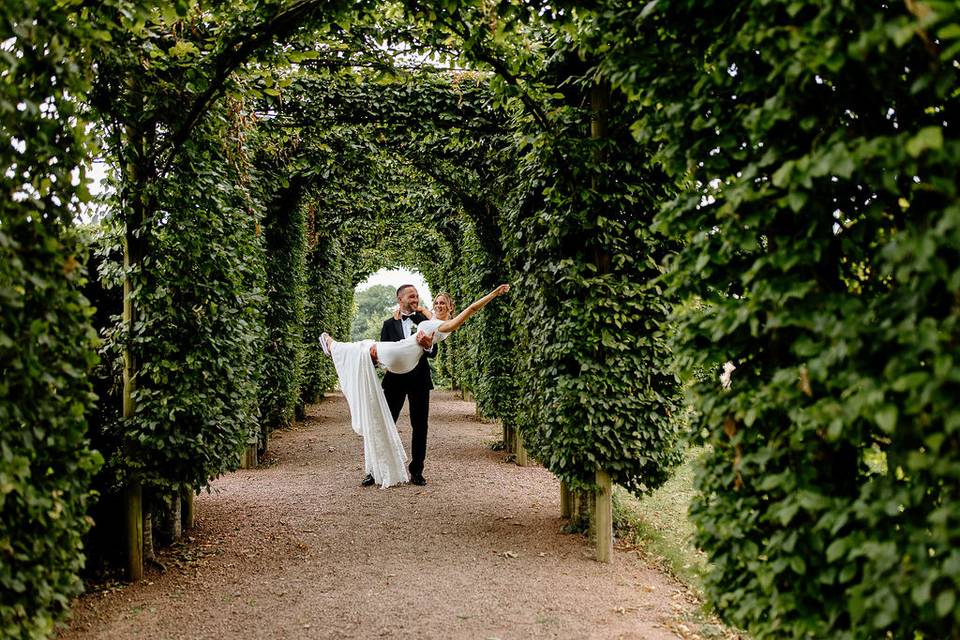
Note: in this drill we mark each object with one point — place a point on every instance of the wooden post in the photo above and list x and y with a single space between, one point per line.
602 520
603 516
133 251
173 517
187 513
134 502
263 442
522 458
565 501
148 553
508 438
248 457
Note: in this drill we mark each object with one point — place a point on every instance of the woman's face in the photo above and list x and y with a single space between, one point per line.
441 309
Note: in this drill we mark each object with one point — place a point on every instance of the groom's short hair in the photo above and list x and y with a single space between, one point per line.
401 288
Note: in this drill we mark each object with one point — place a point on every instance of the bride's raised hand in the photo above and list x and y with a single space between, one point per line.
502 289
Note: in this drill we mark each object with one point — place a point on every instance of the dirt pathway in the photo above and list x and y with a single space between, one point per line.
298 549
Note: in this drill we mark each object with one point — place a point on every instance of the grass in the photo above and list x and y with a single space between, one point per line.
657 526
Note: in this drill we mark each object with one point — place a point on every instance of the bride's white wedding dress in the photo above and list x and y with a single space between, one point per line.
383 453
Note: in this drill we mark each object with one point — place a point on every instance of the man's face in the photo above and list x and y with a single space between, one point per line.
408 299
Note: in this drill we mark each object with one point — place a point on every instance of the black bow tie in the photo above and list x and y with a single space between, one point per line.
403 317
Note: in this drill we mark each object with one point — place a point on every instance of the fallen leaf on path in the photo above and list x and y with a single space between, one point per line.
509 554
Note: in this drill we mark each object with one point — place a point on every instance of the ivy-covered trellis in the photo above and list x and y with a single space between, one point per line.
669 186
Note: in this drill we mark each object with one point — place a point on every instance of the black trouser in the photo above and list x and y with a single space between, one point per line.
419 415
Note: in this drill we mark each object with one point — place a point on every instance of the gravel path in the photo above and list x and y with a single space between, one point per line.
298 549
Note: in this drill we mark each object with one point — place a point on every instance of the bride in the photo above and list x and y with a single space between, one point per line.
383 453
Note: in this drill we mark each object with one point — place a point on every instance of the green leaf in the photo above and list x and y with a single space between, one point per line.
886 418
926 138
946 600
837 549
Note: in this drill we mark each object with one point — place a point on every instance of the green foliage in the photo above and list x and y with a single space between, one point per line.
792 166
200 328
47 346
596 383
285 244
329 302
372 306
820 220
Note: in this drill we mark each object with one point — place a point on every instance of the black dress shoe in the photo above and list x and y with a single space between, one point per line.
418 480
367 480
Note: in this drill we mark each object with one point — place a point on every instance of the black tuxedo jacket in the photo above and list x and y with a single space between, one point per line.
416 380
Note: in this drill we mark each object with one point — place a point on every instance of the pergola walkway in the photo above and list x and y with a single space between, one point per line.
297 549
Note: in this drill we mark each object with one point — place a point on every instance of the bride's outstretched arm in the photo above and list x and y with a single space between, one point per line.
454 323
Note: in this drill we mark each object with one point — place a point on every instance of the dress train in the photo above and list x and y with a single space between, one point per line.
383 454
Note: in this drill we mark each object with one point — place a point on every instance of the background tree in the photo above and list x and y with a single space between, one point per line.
371 307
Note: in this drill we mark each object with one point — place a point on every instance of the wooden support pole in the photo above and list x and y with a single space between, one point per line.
520 451
187 513
134 502
132 257
602 520
173 517
263 444
603 517
565 500
148 548
248 457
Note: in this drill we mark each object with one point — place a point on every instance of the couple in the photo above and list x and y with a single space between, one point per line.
406 341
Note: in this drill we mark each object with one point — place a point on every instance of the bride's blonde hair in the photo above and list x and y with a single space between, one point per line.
447 297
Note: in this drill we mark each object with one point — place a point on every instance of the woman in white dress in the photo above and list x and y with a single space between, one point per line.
383 453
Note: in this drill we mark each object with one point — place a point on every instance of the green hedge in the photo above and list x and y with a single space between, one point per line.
47 345
286 248
328 307
821 223
597 387
201 329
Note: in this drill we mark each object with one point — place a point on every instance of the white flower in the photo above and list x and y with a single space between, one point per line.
728 368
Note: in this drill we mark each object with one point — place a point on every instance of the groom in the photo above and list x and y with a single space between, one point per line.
414 386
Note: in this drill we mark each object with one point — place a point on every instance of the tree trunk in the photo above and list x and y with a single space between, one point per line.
565 500
187 513
171 524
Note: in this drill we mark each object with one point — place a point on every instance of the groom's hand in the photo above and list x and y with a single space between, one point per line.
425 341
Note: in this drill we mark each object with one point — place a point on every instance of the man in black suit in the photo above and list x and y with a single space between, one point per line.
415 385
